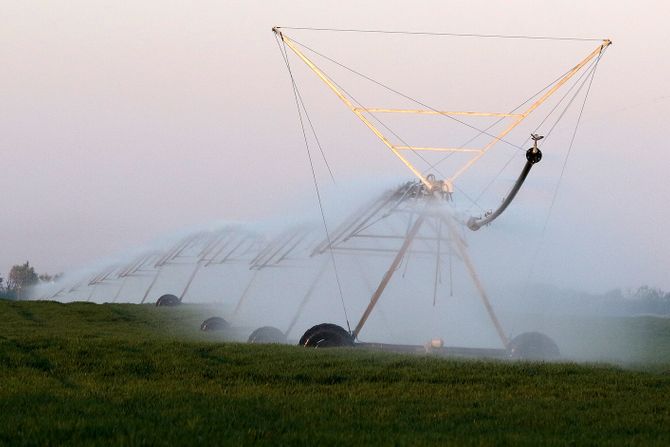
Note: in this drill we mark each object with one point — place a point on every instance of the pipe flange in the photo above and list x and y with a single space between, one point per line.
534 155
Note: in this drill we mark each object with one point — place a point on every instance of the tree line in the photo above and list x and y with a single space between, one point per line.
643 300
21 277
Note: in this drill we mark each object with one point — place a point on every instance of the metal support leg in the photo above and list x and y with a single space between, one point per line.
370 288
151 286
90 295
190 280
453 235
56 294
244 294
118 292
437 261
389 274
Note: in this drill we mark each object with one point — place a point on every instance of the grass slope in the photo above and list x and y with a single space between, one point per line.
129 374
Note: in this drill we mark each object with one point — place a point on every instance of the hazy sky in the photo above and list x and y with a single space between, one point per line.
124 121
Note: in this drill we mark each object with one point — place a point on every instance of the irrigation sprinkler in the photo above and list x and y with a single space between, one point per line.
233 246
135 269
172 254
431 223
209 245
100 278
290 249
205 249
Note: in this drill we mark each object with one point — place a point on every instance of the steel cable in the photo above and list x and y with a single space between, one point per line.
316 185
428 33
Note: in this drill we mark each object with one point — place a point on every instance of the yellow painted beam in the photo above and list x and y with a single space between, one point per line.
532 107
436 149
479 153
435 112
351 106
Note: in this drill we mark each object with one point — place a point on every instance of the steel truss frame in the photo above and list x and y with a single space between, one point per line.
446 185
227 245
287 250
418 208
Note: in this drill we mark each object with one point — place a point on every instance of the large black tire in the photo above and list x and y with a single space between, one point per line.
168 300
308 333
533 346
214 324
266 335
326 335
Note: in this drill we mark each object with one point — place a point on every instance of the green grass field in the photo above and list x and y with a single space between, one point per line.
89 374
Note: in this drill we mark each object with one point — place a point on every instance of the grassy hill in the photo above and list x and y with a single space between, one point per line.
133 374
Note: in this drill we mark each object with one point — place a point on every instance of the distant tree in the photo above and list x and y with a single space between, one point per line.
21 277
648 293
614 294
651 300
45 277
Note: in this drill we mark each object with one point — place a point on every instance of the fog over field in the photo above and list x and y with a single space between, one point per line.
127 128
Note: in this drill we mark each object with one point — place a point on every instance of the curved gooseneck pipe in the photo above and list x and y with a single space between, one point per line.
533 155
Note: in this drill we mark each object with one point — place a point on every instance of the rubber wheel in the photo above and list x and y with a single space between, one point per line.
267 334
326 335
168 300
214 324
533 346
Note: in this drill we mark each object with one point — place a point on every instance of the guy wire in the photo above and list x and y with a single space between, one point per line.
316 183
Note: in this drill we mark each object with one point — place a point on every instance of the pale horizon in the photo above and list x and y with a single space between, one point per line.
123 124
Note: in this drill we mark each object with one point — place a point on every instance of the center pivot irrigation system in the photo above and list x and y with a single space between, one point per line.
425 204
421 220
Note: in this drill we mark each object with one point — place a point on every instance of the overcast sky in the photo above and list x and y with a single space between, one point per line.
121 122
